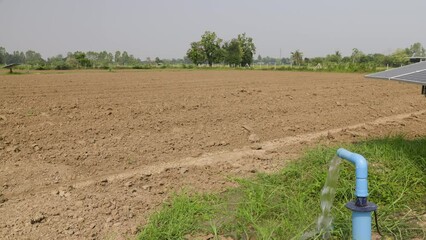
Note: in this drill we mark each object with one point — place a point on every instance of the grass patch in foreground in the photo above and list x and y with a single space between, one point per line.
286 204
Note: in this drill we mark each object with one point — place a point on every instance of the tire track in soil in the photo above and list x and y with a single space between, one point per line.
221 157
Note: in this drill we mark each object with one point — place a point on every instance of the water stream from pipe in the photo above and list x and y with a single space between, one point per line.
325 220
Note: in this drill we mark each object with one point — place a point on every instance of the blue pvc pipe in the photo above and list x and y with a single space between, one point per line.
361 220
361 225
361 170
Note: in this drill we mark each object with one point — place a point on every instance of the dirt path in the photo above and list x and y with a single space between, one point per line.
91 155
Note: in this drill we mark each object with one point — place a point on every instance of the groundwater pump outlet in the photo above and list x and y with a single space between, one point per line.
361 208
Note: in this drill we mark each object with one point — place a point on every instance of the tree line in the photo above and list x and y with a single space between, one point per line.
357 57
241 50
357 61
79 59
237 52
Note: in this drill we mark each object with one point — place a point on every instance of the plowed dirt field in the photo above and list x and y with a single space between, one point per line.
91 154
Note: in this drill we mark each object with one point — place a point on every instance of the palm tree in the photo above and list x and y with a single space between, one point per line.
356 55
297 57
338 56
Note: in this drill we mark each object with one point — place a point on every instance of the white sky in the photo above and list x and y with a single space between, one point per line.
165 28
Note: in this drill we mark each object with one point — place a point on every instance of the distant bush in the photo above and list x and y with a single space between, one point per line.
187 66
44 67
105 67
145 66
63 66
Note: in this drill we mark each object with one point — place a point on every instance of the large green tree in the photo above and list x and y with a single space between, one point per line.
117 57
82 60
33 58
233 52
211 45
125 58
239 51
196 53
248 49
104 59
416 50
398 58
208 49
15 57
3 55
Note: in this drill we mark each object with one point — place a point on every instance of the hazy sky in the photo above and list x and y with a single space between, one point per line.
165 28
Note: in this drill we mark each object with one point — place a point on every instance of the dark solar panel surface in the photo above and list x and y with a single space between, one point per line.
417 77
11 65
414 73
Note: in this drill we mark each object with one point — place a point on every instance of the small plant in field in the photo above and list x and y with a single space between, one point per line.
31 112
131 161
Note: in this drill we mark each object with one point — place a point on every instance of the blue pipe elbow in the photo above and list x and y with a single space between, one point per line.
361 170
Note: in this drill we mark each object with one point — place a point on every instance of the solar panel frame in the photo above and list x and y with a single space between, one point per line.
413 73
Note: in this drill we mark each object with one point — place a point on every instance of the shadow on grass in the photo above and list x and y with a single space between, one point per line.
412 150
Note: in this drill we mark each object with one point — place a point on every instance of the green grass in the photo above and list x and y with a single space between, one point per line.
286 204
185 214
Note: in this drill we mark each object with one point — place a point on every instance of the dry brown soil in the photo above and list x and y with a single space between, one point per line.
91 154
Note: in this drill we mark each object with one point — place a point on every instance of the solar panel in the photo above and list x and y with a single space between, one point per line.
11 65
413 73
417 77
